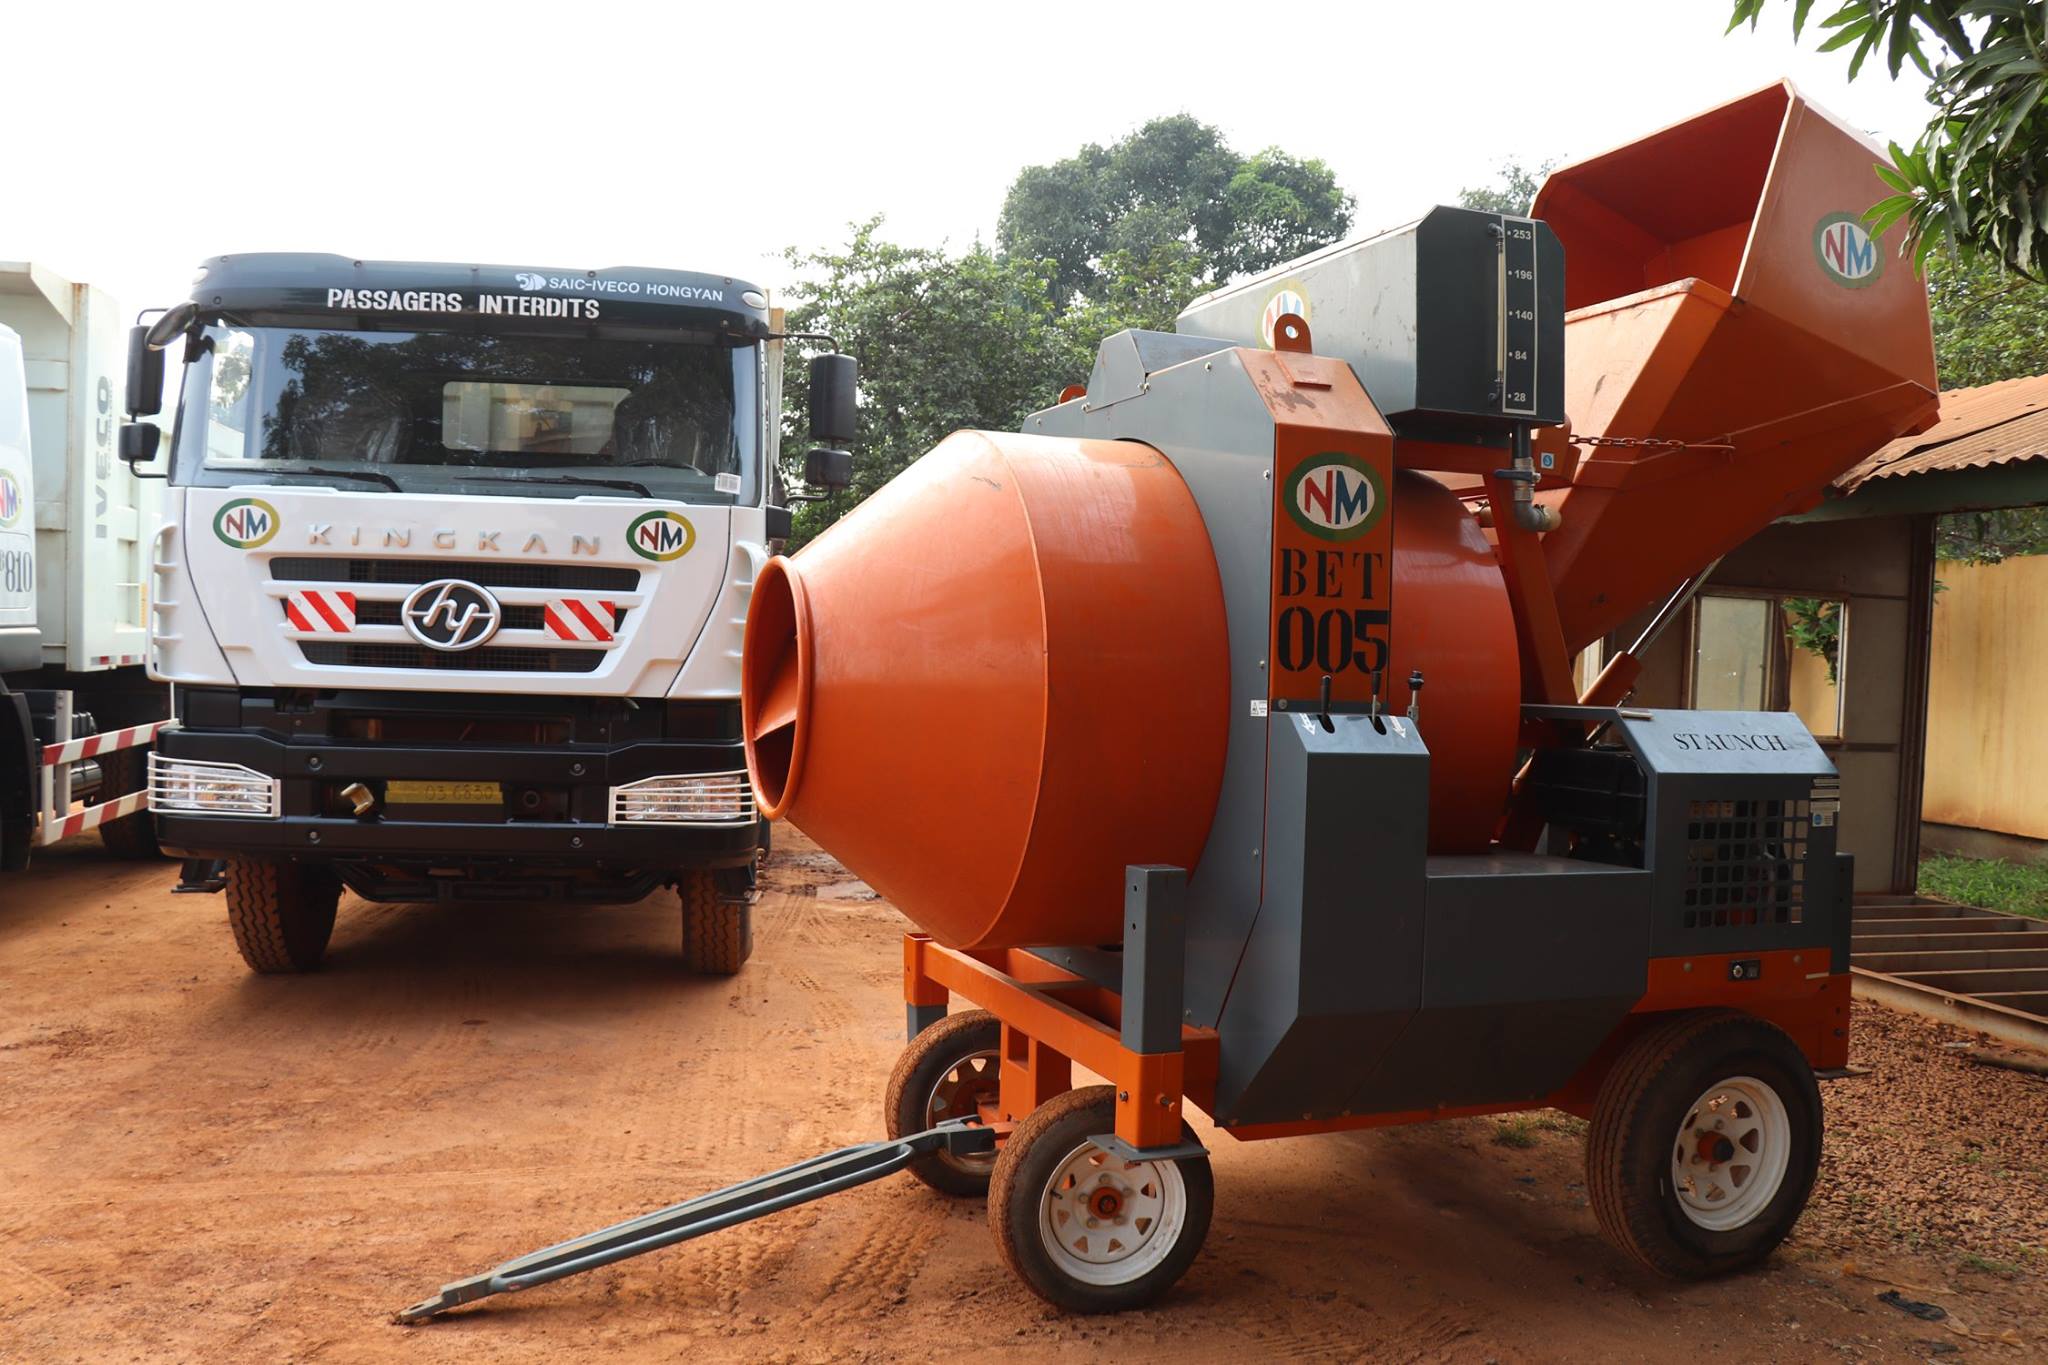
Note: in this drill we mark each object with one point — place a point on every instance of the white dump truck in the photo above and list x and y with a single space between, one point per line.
451 591
77 710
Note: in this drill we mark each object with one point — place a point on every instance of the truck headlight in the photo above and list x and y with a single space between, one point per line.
190 786
685 799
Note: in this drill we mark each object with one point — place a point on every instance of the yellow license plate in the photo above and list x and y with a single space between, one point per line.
405 793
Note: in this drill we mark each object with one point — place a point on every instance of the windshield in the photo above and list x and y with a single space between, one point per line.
544 416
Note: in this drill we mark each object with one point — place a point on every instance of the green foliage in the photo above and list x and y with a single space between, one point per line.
1814 624
2018 888
944 342
1174 181
1978 175
1107 239
1991 536
1514 192
1988 323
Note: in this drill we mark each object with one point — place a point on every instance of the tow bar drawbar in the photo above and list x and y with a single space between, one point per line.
756 1198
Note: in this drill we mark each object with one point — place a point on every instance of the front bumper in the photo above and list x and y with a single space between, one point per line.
569 827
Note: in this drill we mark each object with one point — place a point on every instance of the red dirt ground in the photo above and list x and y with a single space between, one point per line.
200 1164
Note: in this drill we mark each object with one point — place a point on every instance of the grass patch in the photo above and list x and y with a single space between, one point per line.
2005 1269
1519 1131
2017 888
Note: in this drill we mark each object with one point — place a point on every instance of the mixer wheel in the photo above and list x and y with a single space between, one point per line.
1088 1231
1705 1143
946 1073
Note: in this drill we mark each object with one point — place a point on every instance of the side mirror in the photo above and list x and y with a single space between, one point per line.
139 440
828 469
834 378
145 380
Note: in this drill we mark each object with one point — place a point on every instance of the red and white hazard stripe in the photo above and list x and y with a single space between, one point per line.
70 751
321 611
92 817
578 618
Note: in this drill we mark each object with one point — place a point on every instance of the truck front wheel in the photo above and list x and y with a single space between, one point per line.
132 836
718 919
282 913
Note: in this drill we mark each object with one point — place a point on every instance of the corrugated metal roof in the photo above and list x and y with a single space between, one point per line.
1992 424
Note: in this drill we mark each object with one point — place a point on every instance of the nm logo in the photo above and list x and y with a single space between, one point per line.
245 523
1847 251
10 500
1336 497
661 535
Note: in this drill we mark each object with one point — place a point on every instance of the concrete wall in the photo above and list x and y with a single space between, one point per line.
1870 565
1987 714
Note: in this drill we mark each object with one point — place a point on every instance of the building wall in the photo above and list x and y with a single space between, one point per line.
1987 707
1870 565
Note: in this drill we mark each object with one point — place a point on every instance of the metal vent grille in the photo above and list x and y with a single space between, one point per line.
1745 863
485 573
489 659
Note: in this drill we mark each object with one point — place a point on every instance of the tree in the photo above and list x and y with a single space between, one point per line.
1513 193
1988 323
944 342
1978 175
1107 239
1174 181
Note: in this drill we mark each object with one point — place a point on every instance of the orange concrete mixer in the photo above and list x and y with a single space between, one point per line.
1219 734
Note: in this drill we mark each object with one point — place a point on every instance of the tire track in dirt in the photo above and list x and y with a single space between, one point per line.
875 1275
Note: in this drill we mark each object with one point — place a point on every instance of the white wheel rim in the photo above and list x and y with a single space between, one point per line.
957 1095
1108 1221
1731 1153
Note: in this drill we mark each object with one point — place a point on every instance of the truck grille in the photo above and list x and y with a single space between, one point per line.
489 659
488 573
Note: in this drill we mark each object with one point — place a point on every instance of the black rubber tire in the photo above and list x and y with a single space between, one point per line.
1036 1149
718 921
282 913
127 770
906 1105
1641 1105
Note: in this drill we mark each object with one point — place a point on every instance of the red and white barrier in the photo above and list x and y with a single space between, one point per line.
321 611
92 817
71 751
585 620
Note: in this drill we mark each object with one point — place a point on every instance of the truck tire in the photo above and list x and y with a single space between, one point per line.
718 919
1704 1144
127 770
282 914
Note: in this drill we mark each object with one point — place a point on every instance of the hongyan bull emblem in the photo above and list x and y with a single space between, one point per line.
450 614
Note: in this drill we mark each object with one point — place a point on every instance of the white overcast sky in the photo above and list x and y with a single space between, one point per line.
575 135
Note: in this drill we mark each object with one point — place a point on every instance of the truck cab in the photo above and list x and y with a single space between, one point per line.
452 591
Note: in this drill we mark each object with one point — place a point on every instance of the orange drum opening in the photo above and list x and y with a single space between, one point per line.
775 686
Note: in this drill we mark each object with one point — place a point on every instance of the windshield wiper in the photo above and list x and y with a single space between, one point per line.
313 471
565 479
